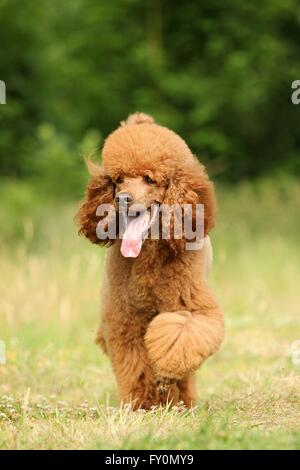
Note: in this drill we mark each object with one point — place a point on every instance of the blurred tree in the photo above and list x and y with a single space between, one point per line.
219 73
20 39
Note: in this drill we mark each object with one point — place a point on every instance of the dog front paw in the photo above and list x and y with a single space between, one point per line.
163 385
173 343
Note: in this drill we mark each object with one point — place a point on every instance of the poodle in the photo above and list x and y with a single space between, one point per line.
160 320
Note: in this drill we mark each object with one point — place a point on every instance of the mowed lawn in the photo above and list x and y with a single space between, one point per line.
57 390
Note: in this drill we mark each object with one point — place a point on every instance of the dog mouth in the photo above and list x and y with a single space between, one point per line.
137 221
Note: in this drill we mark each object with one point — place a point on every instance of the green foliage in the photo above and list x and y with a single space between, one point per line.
56 165
219 73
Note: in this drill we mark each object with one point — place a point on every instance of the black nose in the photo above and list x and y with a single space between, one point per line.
123 198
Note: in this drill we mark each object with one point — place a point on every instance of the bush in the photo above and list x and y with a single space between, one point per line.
56 167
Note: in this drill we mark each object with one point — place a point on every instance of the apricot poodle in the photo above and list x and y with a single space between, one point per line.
160 320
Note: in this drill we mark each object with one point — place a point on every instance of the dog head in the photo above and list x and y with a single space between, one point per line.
145 166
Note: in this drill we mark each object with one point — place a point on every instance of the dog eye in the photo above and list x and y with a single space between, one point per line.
119 180
149 180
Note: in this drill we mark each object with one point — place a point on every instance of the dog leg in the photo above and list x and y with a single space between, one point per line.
187 390
137 383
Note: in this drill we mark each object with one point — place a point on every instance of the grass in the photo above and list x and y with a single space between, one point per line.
57 390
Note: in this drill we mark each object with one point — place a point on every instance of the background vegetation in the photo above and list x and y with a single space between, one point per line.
220 74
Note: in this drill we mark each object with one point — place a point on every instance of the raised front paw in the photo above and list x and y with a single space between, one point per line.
175 344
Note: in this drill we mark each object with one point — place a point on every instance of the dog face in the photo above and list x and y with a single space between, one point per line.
137 201
138 190
145 165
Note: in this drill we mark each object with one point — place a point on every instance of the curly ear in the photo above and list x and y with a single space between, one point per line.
100 190
191 185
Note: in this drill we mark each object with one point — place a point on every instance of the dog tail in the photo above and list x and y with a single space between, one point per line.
138 118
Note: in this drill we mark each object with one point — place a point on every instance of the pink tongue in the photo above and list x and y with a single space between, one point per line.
133 236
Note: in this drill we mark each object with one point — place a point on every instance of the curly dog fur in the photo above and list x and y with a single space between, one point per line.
160 320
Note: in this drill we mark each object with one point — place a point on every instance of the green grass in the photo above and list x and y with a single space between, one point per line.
57 390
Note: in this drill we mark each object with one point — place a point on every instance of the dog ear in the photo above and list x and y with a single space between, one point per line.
100 190
190 186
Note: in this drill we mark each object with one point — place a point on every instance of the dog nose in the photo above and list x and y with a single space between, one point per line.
123 198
